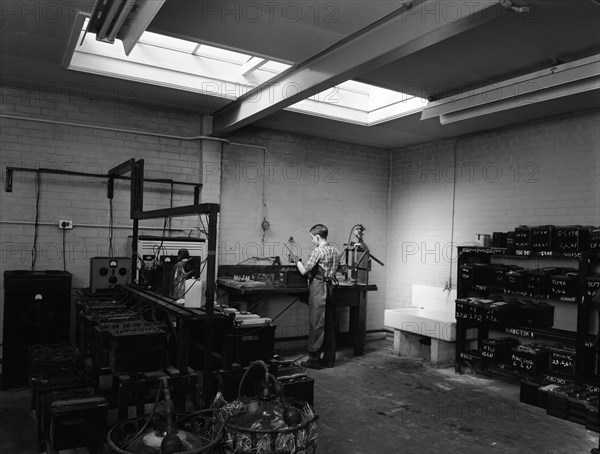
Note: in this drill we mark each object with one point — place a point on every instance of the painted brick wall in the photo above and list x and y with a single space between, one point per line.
306 181
83 200
309 181
536 174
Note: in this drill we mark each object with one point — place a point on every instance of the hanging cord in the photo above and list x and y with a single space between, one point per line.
201 230
170 220
160 248
351 232
38 181
110 228
448 285
264 224
253 364
204 229
150 416
64 250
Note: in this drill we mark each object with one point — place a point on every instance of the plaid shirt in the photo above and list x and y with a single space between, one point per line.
327 257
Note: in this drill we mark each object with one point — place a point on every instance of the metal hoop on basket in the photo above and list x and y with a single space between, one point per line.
207 415
296 438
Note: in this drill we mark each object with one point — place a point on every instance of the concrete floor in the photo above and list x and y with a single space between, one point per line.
380 403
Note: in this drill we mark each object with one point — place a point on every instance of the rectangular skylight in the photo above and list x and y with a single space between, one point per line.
222 54
167 42
201 68
275 66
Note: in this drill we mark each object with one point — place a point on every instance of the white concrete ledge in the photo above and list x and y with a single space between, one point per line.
431 316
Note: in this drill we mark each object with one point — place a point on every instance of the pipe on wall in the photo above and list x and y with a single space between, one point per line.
97 226
111 128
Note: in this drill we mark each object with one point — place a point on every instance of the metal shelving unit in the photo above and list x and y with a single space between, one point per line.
580 339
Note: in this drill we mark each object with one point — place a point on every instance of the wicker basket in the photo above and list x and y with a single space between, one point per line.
298 439
202 424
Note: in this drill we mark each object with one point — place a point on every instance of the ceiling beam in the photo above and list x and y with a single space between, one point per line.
415 26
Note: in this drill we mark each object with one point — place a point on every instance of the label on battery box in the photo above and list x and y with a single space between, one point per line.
464 355
519 332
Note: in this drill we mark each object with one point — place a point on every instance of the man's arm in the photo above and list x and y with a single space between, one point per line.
312 261
301 267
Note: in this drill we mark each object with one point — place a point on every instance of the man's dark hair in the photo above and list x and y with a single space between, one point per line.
320 230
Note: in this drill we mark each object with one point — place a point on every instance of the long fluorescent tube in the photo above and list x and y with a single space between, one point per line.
121 19
112 12
558 81
580 86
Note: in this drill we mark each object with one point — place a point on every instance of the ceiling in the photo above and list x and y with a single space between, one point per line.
430 49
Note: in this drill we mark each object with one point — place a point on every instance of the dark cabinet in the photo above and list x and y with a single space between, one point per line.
37 309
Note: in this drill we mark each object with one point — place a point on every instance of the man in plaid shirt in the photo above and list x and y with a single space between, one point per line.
320 268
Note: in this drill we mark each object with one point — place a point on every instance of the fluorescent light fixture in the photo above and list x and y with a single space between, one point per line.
124 20
552 83
120 20
107 17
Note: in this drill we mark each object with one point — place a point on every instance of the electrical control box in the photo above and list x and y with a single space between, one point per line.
107 272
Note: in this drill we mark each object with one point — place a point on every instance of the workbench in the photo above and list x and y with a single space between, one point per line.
345 295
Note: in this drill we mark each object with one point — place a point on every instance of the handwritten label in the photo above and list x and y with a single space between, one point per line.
557 380
519 332
490 317
592 287
464 355
488 351
567 240
523 252
563 363
522 363
473 317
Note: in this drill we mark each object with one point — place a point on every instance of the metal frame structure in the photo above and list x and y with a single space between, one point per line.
10 171
137 213
136 169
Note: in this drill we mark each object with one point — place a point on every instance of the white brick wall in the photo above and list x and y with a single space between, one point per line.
544 173
83 199
308 181
326 181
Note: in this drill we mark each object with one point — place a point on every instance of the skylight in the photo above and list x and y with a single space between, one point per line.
168 42
227 74
222 54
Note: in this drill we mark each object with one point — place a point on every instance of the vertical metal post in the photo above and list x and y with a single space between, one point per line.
137 187
9 180
110 188
136 205
210 295
196 195
134 252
